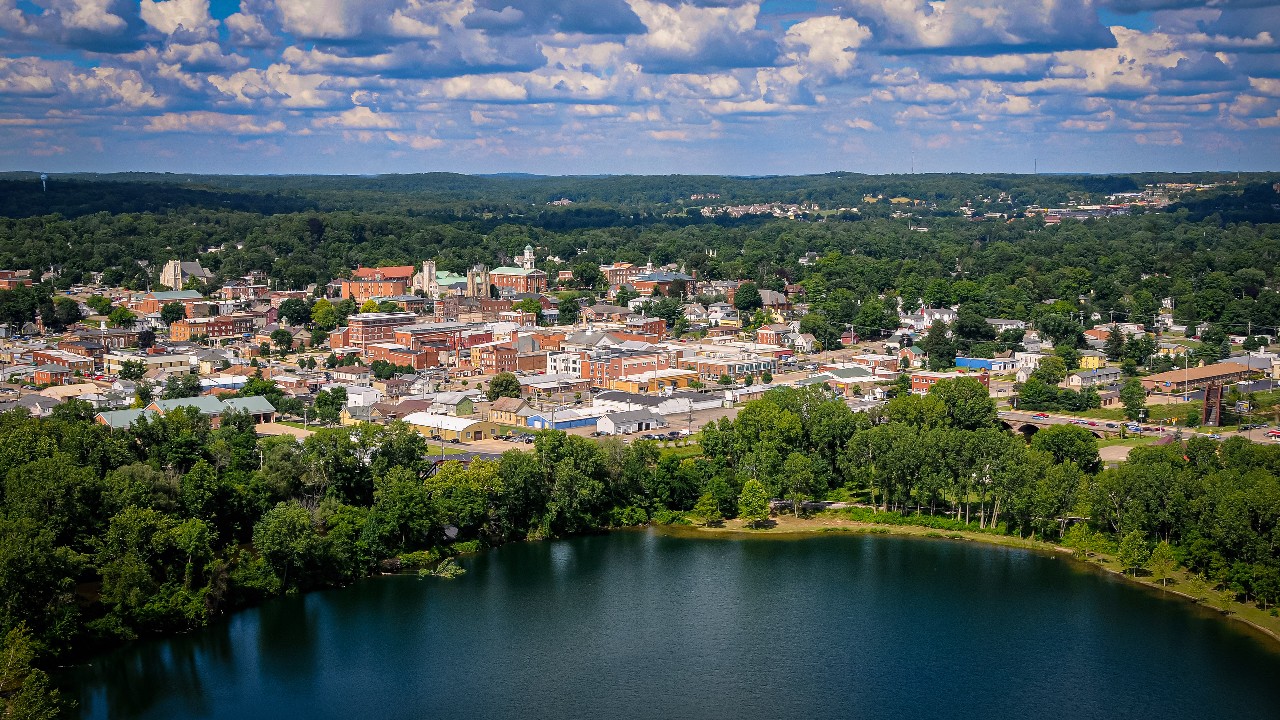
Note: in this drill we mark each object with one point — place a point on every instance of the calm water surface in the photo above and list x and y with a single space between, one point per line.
643 625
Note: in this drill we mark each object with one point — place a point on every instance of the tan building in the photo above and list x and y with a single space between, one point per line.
449 427
1176 381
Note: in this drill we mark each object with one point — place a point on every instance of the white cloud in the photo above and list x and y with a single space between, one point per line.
212 122
982 26
171 16
357 118
475 87
825 46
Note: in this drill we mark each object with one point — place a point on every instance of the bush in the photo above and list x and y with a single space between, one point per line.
664 516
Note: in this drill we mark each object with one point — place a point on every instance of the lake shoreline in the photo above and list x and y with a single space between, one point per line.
790 527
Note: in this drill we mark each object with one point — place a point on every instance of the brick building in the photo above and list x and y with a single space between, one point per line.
510 280
62 358
369 283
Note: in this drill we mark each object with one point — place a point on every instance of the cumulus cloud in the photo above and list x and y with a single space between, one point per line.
212 122
690 38
826 47
982 26
357 118
187 17
590 17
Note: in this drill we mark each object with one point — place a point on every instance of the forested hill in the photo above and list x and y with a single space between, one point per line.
77 194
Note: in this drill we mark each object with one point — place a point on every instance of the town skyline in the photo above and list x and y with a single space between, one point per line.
565 87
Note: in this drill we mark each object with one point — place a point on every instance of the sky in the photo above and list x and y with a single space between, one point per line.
744 87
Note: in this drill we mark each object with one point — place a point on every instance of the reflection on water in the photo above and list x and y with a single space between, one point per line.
640 624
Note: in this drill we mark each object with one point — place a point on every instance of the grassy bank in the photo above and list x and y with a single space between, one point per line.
1182 585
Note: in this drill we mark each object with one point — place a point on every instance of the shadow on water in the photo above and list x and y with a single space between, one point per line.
130 681
287 640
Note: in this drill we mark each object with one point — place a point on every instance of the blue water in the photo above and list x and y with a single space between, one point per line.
647 625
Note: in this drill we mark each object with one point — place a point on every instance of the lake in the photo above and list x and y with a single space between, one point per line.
642 624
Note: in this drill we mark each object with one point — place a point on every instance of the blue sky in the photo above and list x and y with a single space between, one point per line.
639 86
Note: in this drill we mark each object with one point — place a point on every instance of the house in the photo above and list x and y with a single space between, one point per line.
912 356
453 403
509 411
123 419
1002 324
1091 378
389 412
51 375
1092 360
625 423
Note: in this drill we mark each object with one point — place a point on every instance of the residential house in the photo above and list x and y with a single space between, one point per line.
509 411
1094 377
1092 360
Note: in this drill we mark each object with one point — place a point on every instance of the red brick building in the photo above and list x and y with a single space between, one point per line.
922 380
10 280
400 355
364 329
518 280
214 328
71 361
368 283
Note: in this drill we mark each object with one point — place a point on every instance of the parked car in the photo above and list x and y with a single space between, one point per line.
1215 436
1112 425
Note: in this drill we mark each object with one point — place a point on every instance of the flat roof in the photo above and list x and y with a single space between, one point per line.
441 422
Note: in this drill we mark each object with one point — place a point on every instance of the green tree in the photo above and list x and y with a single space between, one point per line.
282 338
122 317
969 404
181 386
799 480
329 404
171 313
1116 342
939 346
822 330
99 304
753 503
132 370
295 311
569 311
707 510
369 306
66 312
1161 563
1051 370
587 275
747 298
1133 552
1134 398
286 539
323 315
1070 356
26 692
504 384
766 377
1069 443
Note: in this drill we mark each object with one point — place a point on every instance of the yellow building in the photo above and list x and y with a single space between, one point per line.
655 381
1092 360
449 427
